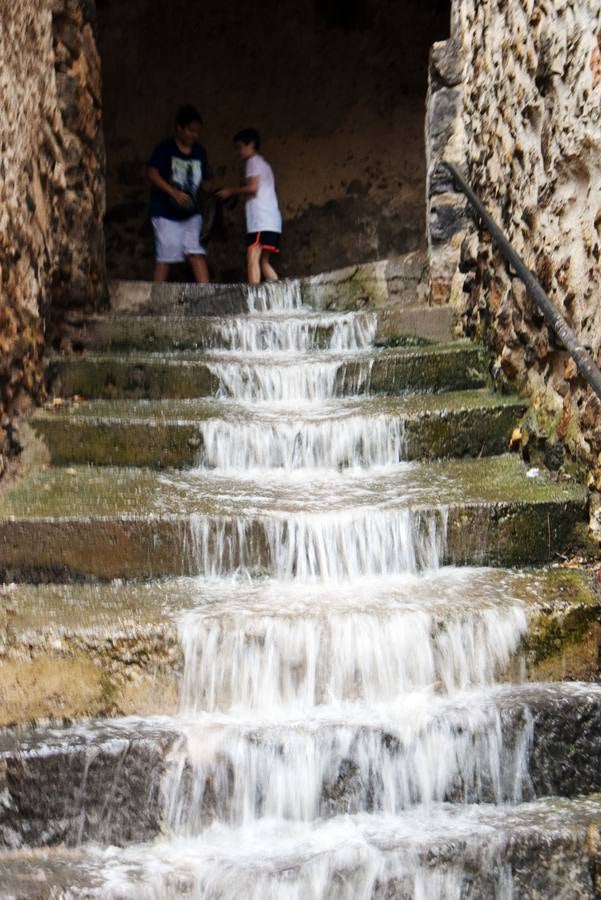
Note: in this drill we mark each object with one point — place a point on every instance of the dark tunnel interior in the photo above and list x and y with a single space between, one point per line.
336 87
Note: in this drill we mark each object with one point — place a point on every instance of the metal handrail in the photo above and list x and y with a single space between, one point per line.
585 364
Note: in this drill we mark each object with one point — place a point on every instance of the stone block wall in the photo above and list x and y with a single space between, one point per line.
51 190
515 100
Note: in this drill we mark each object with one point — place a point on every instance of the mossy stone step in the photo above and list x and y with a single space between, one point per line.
109 523
111 648
154 334
169 433
372 284
127 759
177 332
457 366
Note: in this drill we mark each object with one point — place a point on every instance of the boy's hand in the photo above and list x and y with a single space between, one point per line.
180 197
225 193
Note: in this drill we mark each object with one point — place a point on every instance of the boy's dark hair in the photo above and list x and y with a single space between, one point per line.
248 136
186 115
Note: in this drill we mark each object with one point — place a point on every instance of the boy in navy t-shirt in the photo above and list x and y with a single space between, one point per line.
177 170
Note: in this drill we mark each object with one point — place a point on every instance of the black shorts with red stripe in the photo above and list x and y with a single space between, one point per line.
266 240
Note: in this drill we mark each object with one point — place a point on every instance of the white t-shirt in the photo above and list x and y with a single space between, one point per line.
262 210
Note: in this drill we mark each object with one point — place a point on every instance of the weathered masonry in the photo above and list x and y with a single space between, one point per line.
51 191
515 102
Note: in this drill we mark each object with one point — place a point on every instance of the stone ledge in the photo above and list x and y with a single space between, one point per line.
532 846
459 366
111 649
55 783
481 426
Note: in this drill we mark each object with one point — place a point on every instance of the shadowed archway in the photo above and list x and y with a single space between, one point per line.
336 88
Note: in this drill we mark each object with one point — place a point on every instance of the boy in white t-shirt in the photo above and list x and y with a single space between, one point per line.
263 217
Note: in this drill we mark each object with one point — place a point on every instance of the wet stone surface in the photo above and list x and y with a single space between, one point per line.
108 793
330 701
176 434
106 781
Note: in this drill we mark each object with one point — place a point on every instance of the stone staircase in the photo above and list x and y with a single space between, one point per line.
265 633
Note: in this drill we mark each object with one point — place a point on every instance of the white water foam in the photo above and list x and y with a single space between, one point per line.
416 856
281 296
290 381
296 334
355 441
328 546
296 662
383 759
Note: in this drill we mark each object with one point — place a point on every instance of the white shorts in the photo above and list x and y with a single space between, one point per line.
173 241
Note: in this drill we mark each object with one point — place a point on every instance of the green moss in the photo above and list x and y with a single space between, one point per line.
565 626
573 586
512 533
467 431
156 444
406 340
356 294
553 634
110 377
117 492
457 366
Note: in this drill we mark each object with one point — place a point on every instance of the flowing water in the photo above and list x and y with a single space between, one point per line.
339 715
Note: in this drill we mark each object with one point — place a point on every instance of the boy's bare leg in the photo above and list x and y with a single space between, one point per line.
200 269
269 273
161 272
253 260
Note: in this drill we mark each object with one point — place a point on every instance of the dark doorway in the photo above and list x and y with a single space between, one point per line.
337 87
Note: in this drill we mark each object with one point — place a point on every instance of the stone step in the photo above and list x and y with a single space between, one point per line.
547 848
429 323
171 333
112 648
458 366
143 524
101 780
143 298
176 332
146 298
172 433
398 281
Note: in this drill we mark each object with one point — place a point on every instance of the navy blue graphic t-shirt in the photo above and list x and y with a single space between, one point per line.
185 171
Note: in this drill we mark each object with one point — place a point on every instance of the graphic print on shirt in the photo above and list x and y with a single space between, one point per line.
186 174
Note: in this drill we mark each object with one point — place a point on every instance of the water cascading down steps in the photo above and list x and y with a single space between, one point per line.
354 718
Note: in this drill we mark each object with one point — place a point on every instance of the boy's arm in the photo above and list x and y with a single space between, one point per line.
159 182
251 187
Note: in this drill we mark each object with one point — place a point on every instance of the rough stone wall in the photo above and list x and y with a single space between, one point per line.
51 189
336 88
515 99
